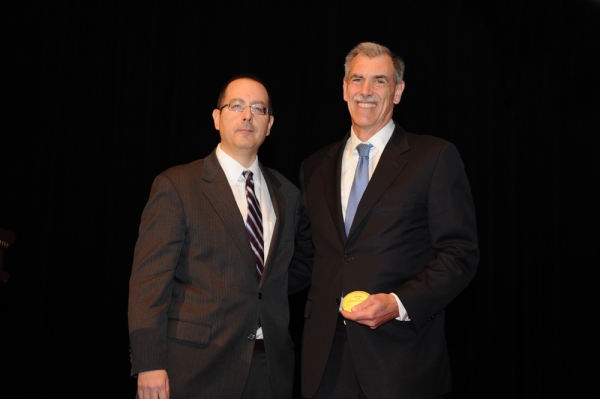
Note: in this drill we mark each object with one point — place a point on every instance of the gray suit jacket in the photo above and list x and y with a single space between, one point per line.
195 298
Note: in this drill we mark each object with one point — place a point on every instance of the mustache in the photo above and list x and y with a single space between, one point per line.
366 99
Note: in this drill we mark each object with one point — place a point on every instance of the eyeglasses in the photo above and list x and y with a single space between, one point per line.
256 109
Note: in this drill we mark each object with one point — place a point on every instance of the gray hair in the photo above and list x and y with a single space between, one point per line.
373 50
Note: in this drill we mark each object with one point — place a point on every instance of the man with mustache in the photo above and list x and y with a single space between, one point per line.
390 213
208 304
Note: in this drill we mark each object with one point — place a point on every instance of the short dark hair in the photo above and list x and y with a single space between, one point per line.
245 76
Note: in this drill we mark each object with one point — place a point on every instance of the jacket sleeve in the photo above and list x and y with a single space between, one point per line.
301 266
161 237
453 236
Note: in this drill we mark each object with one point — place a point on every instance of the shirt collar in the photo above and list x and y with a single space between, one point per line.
378 140
233 169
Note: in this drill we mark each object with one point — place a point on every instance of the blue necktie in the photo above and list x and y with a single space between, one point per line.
361 179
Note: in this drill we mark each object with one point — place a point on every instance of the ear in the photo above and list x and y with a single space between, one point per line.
271 120
216 114
398 92
345 86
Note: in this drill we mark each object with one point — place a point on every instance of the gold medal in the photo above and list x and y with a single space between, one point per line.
353 299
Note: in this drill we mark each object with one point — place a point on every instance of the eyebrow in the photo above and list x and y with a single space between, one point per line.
382 77
357 75
241 100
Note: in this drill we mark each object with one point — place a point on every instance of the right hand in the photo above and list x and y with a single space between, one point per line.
153 385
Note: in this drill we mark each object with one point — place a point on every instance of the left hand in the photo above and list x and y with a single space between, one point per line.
375 311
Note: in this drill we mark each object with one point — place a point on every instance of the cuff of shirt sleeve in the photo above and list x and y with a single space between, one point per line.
403 313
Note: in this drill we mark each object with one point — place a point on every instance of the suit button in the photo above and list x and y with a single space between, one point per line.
337 301
347 258
251 336
260 295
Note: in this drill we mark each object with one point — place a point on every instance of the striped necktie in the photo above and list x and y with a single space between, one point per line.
254 226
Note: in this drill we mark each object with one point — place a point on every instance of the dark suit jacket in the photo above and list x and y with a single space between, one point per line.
414 234
195 298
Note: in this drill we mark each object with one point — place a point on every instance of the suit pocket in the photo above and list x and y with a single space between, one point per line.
188 331
307 309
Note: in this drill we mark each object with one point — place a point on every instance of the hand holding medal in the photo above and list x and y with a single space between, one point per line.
353 298
377 309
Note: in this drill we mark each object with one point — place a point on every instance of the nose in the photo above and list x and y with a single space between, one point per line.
247 114
365 87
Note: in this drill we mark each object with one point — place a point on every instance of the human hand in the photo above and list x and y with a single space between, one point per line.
153 385
375 311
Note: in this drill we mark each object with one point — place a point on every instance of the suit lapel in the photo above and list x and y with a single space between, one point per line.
278 201
331 173
392 161
221 198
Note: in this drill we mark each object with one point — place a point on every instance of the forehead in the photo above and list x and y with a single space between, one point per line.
246 89
363 65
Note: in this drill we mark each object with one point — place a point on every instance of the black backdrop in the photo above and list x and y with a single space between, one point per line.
99 98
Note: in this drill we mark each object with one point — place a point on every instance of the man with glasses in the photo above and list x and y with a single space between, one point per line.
393 226
208 304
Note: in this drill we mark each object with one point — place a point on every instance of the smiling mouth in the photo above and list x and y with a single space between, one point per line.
366 105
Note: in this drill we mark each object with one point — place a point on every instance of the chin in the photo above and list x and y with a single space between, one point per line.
364 122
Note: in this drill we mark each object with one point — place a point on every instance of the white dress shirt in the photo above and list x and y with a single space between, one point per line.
349 161
233 171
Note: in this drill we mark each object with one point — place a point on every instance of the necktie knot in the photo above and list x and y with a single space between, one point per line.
363 150
248 176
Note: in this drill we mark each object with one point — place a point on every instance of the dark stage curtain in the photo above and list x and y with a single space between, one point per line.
99 98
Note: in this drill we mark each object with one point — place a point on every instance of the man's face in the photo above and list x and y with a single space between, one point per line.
371 93
243 132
